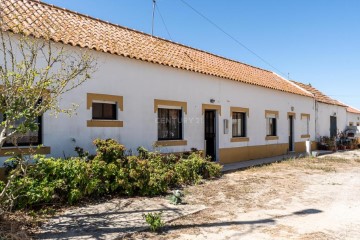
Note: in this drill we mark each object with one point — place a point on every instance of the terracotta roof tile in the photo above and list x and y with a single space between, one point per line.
352 110
64 26
319 96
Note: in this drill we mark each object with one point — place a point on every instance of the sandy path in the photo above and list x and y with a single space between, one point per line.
300 199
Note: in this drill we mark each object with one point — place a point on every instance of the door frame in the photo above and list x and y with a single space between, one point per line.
217 110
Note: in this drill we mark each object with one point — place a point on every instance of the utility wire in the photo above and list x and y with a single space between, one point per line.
163 21
230 36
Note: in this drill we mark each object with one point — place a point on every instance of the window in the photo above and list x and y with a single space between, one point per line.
239 124
31 138
358 124
351 124
305 124
169 124
271 124
104 111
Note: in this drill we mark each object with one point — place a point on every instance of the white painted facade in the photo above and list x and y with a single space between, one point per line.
323 113
353 118
140 83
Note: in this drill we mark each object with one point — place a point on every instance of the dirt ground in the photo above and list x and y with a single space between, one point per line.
310 198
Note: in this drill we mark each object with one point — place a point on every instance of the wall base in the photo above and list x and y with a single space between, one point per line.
240 154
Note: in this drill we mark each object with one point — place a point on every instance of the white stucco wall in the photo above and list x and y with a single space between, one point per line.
323 113
140 83
353 117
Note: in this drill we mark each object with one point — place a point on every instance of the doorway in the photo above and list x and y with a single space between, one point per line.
291 133
333 126
210 134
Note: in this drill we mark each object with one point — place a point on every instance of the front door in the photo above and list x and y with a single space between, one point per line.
210 134
291 133
333 126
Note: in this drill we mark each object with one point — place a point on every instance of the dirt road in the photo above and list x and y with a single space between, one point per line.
296 199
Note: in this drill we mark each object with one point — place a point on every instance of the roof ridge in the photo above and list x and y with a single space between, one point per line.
140 32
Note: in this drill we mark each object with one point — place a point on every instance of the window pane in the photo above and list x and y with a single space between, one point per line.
27 139
238 124
169 124
109 111
271 126
105 111
97 111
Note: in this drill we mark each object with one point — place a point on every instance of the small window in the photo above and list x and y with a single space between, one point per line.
104 111
358 124
305 122
239 124
351 124
271 125
169 124
30 138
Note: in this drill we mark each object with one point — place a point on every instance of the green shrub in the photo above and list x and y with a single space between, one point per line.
2 185
109 150
154 220
67 181
195 168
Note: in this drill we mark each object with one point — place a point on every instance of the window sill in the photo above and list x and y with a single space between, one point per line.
271 138
24 150
104 123
168 143
239 139
305 136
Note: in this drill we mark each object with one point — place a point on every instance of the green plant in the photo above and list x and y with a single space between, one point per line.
143 152
109 150
81 152
154 220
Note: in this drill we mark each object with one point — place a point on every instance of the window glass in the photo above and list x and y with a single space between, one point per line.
105 111
169 124
271 126
238 124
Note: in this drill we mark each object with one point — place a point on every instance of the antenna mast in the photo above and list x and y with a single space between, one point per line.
153 17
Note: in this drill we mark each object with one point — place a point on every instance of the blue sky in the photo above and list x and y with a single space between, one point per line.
315 41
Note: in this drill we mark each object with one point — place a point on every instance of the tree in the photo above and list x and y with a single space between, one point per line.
34 75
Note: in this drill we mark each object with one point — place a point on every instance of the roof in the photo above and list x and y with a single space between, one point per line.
319 96
43 20
352 110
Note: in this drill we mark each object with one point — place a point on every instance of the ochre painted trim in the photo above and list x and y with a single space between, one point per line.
272 112
239 154
171 143
104 123
305 115
291 114
24 150
158 102
271 138
305 136
239 139
239 109
211 107
104 97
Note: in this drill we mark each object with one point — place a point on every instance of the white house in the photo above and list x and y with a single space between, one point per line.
149 91
353 116
331 115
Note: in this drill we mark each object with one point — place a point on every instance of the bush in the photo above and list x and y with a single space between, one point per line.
154 220
109 150
68 181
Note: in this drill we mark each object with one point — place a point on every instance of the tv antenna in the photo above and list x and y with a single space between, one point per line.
153 18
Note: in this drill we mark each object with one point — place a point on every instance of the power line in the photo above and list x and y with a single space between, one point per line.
230 36
163 21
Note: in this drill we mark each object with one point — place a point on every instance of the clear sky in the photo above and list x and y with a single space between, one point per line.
314 41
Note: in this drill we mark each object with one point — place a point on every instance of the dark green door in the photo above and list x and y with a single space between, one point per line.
333 126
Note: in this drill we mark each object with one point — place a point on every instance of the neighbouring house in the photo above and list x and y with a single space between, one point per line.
150 91
353 116
331 115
